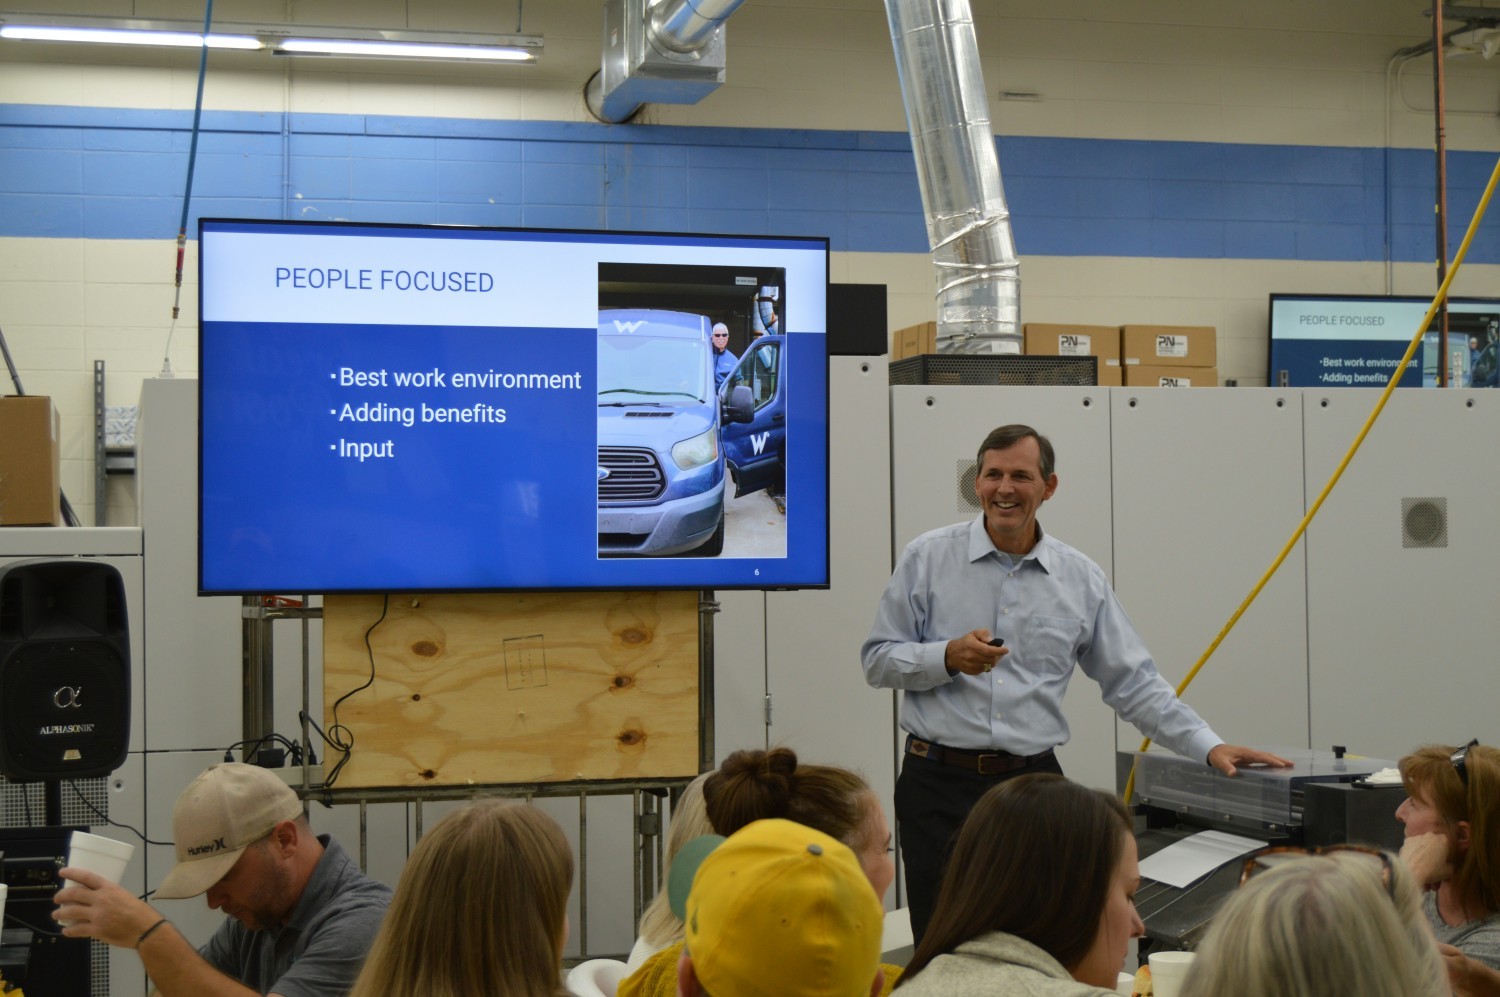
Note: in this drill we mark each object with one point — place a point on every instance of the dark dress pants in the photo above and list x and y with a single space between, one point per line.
932 800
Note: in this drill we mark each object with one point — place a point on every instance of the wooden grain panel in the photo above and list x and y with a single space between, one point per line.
502 688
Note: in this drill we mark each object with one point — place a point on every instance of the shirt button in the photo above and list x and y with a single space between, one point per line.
999 716
999 681
1005 611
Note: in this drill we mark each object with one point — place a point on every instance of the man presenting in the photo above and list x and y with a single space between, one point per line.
724 361
302 915
981 625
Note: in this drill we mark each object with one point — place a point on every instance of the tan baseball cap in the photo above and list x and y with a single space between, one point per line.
224 810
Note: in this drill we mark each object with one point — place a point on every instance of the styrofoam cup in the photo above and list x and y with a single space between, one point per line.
99 854
1168 971
1125 984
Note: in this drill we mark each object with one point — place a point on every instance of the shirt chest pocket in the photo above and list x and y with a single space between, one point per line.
1051 643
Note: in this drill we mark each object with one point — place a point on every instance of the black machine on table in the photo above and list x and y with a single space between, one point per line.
1324 799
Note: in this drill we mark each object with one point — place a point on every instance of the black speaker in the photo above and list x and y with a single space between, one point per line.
856 320
64 669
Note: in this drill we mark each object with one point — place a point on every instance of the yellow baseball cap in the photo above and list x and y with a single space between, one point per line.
781 910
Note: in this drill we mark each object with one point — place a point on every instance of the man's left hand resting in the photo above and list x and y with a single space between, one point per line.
1227 757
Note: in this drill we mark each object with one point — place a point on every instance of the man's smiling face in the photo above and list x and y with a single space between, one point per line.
1011 488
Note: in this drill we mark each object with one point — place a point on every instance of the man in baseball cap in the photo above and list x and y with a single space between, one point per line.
780 910
301 914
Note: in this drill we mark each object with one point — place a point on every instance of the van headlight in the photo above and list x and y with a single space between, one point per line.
697 451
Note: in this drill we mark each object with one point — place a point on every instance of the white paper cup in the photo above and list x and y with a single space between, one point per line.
1168 971
99 854
1125 985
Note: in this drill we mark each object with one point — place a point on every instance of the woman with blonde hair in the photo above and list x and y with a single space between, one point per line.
480 911
1347 921
659 926
1452 820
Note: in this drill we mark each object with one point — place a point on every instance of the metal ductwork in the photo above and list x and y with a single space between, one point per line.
968 224
658 52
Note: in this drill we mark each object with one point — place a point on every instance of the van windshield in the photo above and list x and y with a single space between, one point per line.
646 370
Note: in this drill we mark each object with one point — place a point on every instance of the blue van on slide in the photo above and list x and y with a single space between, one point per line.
661 466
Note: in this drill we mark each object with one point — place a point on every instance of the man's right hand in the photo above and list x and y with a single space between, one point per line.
100 909
972 654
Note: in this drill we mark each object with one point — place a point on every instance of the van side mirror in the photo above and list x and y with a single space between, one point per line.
739 405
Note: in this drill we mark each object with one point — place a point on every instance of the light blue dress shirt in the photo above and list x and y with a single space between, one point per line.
1054 607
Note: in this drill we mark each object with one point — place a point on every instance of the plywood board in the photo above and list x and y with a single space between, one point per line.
504 688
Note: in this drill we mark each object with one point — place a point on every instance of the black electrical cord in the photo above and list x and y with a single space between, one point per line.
339 736
105 819
293 749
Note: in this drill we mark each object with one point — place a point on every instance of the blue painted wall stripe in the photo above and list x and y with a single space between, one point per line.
109 173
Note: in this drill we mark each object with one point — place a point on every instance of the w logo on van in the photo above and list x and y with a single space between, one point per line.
628 326
758 442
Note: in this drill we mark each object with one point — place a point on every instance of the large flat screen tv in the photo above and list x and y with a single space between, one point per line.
393 408
1348 340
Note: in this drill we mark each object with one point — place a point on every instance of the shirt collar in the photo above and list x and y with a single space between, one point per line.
320 885
981 546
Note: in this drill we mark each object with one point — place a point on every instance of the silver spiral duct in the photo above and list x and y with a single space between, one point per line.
968 224
685 25
657 52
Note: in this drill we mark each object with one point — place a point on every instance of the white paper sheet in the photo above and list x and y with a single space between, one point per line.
1193 858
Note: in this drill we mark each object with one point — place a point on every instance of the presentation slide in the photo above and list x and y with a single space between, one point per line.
1352 341
389 408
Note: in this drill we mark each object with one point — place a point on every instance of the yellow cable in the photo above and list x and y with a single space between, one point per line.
1411 349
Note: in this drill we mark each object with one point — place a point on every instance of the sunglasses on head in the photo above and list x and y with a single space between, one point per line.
1276 855
1460 760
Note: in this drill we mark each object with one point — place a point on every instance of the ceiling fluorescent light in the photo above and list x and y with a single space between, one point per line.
444 46
281 39
399 50
175 34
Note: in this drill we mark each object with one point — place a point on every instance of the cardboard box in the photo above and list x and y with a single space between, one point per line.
1111 373
1169 345
1049 340
914 340
1171 377
30 462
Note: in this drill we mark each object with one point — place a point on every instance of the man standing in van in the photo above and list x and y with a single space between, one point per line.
724 361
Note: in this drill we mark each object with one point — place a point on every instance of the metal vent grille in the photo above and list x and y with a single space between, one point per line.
968 502
1424 522
22 805
962 368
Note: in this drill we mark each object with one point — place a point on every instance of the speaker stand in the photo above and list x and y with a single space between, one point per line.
52 802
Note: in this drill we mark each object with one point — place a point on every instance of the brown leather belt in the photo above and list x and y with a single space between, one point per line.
983 762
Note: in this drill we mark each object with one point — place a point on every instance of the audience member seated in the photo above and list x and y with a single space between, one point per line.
760 785
781 909
659 926
1037 899
1452 818
301 914
480 911
1346 921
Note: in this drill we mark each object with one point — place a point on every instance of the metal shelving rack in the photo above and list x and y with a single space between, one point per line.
107 459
